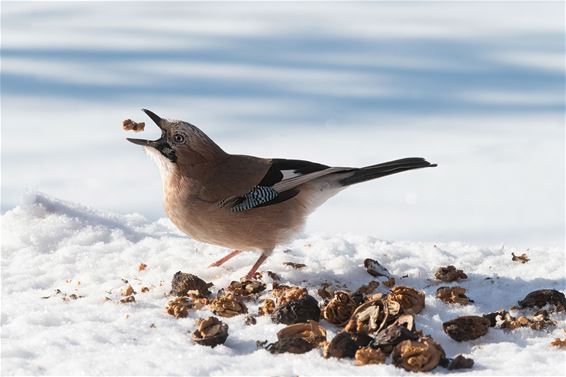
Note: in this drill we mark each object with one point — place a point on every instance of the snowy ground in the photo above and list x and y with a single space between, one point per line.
50 244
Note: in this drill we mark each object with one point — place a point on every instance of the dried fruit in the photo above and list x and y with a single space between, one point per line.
228 305
400 330
339 309
130 125
374 268
453 295
312 332
296 311
411 300
266 307
449 273
557 342
296 266
179 307
290 345
367 355
542 297
128 290
466 327
460 362
523 258
183 282
246 287
285 293
210 332
419 355
342 345
250 320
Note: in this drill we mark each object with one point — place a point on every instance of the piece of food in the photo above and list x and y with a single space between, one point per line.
453 295
411 300
372 316
389 282
418 355
128 290
366 355
130 125
311 331
290 345
142 266
342 345
228 305
250 320
523 258
339 309
179 307
296 266
246 287
400 330
296 311
560 343
460 362
210 332
540 320
467 327
284 293
183 282
266 307
374 268
449 273
542 297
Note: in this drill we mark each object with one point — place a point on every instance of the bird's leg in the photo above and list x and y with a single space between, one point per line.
221 261
258 263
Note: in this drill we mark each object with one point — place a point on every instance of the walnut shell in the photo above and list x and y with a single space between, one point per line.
400 330
210 332
370 317
285 293
339 309
246 287
542 297
228 305
453 295
449 273
312 332
290 345
411 300
419 355
367 355
266 307
342 345
296 311
538 321
183 282
467 327
460 362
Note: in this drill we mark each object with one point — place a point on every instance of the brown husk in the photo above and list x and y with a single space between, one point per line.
339 308
411 300
419 355
228 305
466 327
453 295
449 273
210 332
311 331
366 355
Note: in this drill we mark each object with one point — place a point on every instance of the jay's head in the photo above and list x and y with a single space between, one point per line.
180 143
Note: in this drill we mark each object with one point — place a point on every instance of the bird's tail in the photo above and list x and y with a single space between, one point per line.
386 168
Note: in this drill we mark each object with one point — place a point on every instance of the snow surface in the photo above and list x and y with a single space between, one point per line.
48 244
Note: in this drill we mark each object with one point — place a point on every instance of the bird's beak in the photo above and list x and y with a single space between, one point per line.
161 123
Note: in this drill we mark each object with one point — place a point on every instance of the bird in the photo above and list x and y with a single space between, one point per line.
241 202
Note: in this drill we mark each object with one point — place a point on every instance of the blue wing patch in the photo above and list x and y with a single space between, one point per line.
258 196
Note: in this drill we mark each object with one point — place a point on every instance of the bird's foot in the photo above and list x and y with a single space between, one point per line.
223 260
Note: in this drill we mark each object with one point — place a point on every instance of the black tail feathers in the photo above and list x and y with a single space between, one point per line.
386 168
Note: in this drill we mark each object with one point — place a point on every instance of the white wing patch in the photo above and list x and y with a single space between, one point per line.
289 174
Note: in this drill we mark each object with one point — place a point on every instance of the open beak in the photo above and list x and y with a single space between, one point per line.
160 123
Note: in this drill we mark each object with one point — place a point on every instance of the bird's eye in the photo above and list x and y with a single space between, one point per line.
179 138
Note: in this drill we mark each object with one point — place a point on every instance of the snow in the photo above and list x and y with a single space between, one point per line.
50 244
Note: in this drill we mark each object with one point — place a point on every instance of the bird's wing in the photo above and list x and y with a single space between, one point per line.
280 183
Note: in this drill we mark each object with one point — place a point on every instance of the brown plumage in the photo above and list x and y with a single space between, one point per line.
245 202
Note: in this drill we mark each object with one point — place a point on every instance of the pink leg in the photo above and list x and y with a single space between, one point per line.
258 263
221 261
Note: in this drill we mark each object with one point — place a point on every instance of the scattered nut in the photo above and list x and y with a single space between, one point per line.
411 300
183 282
142 266
371 316
339 309
228 305
246 287
250 320
523 258
400 330
296 311
210 332
367 355
179 307
127 300
266 307
312 332
144 289
418 355
128 290
342 345
374 268
296 266
542 297
130 125
449 273
467 327
460 362
389 282
290 345
560 343
453 295
285 293
538 321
